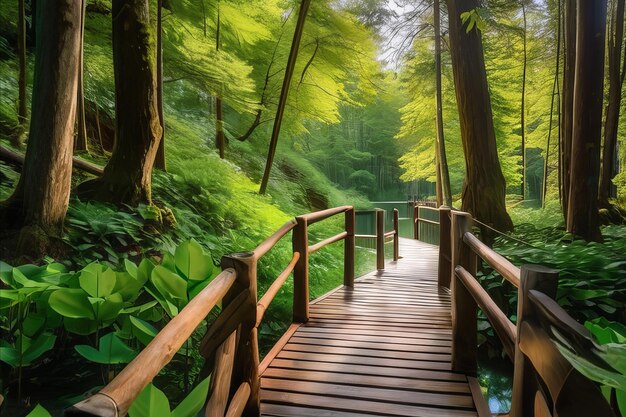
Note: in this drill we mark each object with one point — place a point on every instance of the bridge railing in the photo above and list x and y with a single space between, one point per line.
230 346
544 382
382 237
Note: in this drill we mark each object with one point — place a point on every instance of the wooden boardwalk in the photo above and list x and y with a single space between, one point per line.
382 348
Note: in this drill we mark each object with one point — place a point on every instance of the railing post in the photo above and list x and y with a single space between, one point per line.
464 325
416 223
396 236
380 239
532 277
300 244
445 269
348 249
246 362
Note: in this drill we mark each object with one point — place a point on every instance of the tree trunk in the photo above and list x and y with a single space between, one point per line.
438 185
567 103
22 111
446 194
39 202
582 217
555 91
127 177
523 106
284 93
159 162
81 124
484 187
616 78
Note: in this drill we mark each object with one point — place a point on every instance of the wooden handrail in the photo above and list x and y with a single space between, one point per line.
271 241
116 397
323 214
390 233
365 236
503 327
498 262
427 221
271 292
332 239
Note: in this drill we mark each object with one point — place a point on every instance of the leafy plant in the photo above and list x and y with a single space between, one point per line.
111 351
152 401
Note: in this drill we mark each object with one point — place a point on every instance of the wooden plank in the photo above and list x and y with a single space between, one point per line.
375 353
369 345
282 410
277 347
367 407
381 339
436 375
376 394
404 335
371 381
393 363
479 400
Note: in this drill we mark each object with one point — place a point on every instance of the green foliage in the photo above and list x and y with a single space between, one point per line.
111 350
152 401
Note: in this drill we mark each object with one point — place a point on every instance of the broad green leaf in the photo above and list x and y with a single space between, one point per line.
169 284
6 274
111 351
128 286
80 326
8 298
144 270
193 402
39 411
96 281
32 324
142 330
110 307
150 402
10 356
621 401
131 268
72 303
38 347
192 261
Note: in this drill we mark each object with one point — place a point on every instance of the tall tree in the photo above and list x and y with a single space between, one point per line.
523 106
159 162
616 81
484 187
22 112
582 217
567 100
39 202
220 140
81 122
284 94
127 177
442 172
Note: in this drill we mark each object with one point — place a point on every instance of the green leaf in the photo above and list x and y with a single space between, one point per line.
621 401
170 285
150 402
38 347
10 356
80 326
192 261
39 411
72 303
111 351
96 281
142 330
110 307
32 324
193 402
128 286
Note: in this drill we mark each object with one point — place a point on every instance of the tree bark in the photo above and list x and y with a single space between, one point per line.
81 123
582 218
567 101
22 111
39 202
159 162
555 91
616 78
128 175
523 105
446 193
484 187
291 63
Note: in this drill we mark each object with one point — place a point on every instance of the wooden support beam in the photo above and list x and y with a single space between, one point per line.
300 244
445 249
396 236
380 239
348 248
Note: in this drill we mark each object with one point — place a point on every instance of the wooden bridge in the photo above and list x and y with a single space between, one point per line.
400 341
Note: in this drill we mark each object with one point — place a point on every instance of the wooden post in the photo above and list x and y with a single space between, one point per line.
380 239
532 277
300 244
348 249
445 249
464 325
246 363
416 222
396 236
